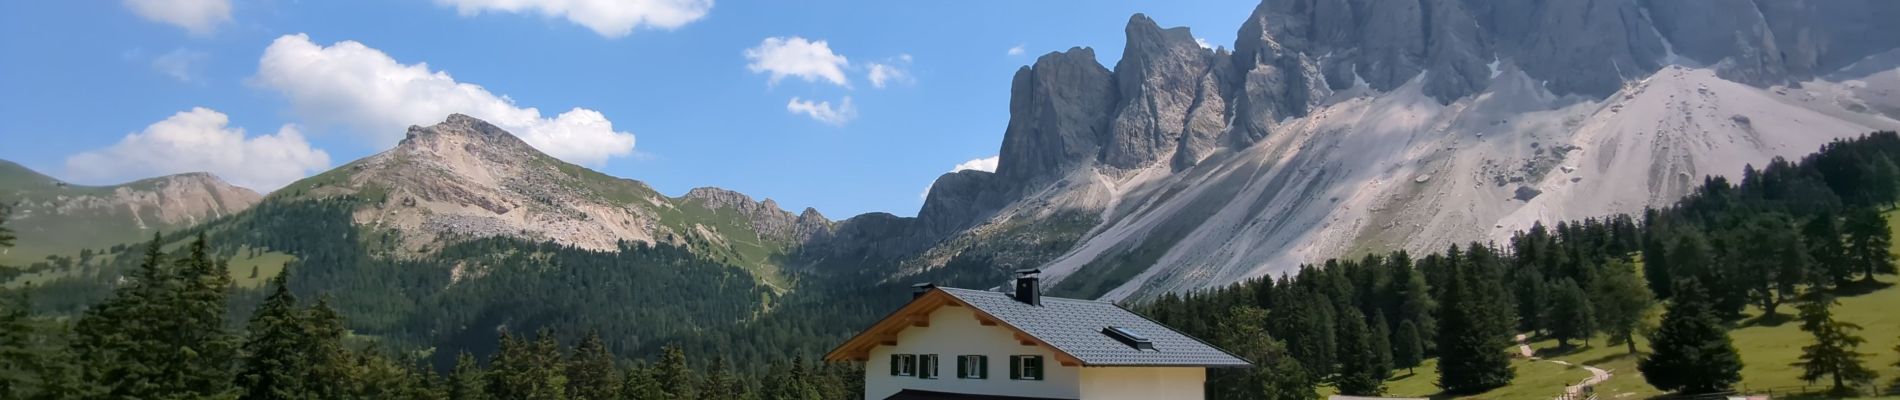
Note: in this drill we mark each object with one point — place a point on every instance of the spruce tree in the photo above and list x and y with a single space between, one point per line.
641 384
1473 326
1358 373
331 363
1571 316
275 364
1407 349
1869 243
788 382
590 371
1827 250
161 334
675 377
1692 353
466 382
720 382
1381 345
1415 302
1275 375
1833 353
1621 302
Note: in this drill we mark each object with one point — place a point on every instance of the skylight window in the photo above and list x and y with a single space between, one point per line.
1129 337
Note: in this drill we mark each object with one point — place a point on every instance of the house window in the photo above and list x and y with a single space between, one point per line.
903 365
973 367
927 366
1025 368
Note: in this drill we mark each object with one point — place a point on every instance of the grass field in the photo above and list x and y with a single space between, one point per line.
1535 380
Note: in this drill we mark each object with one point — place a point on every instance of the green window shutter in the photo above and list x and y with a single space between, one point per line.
1015 367
983 367
963 366
1033 367
894 361
927 366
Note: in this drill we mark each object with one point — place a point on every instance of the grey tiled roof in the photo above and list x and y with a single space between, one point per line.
1075 327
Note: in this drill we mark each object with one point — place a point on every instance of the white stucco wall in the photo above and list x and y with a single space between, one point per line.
1107 383
954 331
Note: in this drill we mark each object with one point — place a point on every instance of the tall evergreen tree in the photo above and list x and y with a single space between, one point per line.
1621 302
788 382
1275 375
641 384
275 364
467 382
1381 345
161 334
720 383
1833 353
1473 327
1869 243
1415 302
1358 373
1571 315
1692 351
590 371
1827 250
1408 350
675 377
330 361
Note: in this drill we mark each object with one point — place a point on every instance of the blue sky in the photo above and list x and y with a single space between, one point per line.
263 92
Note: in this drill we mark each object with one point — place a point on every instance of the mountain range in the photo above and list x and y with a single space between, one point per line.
1329 128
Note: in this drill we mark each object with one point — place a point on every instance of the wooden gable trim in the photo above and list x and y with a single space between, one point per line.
917 313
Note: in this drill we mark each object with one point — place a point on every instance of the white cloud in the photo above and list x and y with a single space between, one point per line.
980 164
894 71
181 64
609 18
201 140
797 57
823 111
200 17
354 85
1016 51
1203 43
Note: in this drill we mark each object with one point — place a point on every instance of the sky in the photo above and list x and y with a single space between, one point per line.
847 107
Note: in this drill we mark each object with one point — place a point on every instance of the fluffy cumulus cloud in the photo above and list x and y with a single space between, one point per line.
796 57
1016 51
823 111
200 17
201 140
349 84
609 18
893 71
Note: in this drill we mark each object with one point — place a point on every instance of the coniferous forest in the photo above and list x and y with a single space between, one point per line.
652 322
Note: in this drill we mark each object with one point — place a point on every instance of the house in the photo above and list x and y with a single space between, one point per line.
950 343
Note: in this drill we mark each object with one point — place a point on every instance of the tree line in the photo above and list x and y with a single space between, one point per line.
1799 233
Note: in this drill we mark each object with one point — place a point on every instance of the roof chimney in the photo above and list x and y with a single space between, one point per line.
1029 286
918 290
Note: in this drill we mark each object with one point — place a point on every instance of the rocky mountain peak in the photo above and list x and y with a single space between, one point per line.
1059 112
462 133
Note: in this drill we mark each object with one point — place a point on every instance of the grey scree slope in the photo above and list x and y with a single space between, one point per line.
1075 327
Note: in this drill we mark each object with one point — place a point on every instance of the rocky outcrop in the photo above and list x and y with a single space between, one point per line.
1162 77
766 218
52 214
1059 113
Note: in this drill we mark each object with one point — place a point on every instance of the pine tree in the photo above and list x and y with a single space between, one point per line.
720 382
1827 250
1358 373
1868 243
1381 345
1474 326
675 377
275 365
331 363
1571 316
1833 352
466 382
1621 303
788 382
1408 350
590 371
1692 352
1275 375
641 384
15 338
1415 302
161 334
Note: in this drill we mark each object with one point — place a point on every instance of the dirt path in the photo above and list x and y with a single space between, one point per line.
1572 392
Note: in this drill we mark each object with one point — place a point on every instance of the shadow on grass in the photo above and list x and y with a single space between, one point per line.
1769 320
1564 350
1613 357
1860 287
